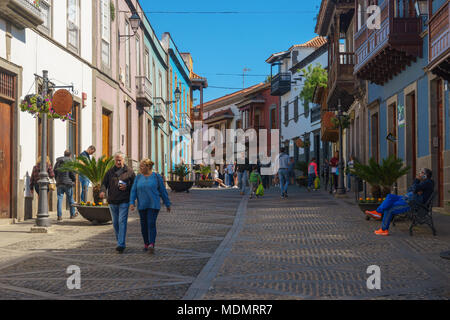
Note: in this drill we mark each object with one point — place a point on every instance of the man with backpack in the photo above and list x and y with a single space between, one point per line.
65 181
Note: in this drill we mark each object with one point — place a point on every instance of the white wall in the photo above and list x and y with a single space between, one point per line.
296 129
36 53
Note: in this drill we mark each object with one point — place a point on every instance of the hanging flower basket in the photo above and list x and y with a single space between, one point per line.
37 105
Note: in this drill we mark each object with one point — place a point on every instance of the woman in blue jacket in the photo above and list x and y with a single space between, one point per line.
148 188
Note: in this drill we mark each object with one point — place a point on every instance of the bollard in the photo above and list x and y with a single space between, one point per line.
28 197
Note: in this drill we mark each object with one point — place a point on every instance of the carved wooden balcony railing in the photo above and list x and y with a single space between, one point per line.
383 53
439 44
341 81
328 132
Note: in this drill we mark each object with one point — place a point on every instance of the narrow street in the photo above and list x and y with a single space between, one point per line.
217 245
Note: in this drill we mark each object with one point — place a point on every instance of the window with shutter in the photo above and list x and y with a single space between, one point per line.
286 114
296 109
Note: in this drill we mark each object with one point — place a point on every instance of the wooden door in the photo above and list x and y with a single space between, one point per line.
374 137
106 123
162 155
440 142
5 160
413 134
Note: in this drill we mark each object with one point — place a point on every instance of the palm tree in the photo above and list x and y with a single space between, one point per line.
371 174
391 170
381 177
181 171
204 171
92 169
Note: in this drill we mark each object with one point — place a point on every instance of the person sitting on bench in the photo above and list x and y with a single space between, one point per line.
420 191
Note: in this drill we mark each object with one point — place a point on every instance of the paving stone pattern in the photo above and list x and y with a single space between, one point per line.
216 244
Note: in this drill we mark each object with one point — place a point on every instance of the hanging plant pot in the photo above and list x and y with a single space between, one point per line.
37 105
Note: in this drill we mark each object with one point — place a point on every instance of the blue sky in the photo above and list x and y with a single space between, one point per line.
228 43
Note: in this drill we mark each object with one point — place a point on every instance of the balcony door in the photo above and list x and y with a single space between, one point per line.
437 139
411 149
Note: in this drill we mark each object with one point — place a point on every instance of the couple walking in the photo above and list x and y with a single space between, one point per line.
124 188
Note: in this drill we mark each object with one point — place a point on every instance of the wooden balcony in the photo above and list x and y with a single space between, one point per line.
439 44
383 53
22 13
144 91
328 132
280 84
341 81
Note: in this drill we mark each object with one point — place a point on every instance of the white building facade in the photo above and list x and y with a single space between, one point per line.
55 36
298 120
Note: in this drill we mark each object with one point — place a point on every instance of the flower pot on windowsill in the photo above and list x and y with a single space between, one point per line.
180 186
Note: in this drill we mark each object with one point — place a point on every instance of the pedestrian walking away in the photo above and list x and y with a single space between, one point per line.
334 162
34 179
255 181
117 183
326 172
83 180
350 166
65 180
312 173
283 172
148 188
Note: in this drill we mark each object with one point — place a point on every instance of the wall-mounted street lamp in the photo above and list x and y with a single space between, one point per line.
421 9
135 22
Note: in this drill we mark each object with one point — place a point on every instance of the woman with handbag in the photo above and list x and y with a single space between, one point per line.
148 188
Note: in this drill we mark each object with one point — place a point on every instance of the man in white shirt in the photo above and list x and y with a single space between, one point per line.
283 172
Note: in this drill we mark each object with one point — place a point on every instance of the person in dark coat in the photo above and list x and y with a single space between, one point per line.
65 180
118 182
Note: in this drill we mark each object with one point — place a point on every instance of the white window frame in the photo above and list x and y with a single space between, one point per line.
73 26
105 18
47 29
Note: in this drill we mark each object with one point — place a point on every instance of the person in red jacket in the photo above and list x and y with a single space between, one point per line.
334 163
312 173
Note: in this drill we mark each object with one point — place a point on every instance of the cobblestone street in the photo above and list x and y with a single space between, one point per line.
217 245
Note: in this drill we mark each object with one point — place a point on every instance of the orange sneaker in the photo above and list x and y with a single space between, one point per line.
374 214
382 232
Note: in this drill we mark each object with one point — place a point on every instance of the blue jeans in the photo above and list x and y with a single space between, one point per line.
227 179
391 206
284 180
84 187
311 178
242 180
148 225
60 191
119 214
231 179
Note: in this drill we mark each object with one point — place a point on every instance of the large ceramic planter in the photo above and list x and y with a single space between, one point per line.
368 207
205 183
96 215
180 186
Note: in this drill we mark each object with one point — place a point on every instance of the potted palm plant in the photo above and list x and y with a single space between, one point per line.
204 172
380 177
94 170
181 171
